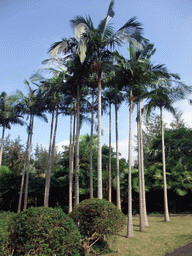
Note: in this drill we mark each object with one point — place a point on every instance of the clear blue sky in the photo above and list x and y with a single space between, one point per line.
29 27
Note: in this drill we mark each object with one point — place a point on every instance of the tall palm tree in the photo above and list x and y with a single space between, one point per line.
94 44
54 102
160 97
145 75
129 74
9 114
31 106
137 74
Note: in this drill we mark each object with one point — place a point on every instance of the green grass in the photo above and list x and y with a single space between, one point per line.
157 240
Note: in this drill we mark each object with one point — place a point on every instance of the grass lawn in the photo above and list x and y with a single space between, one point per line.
158 239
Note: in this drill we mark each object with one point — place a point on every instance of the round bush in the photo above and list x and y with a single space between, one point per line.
98 216
44 231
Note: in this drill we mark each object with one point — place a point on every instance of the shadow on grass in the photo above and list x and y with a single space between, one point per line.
187 237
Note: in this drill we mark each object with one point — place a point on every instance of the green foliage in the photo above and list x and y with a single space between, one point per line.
98 216
5 218
41 158
44 231
13 155
4 170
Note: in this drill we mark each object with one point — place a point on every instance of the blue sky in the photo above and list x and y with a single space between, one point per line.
29 27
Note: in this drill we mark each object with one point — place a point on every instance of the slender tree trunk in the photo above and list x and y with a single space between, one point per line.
2 143
117 159
28 162
130 217
91 147
23 175
141 204
142 169
166 210
77 150
48 175
49 158
73 145
72 152
110 192
99 158
50 139
70 164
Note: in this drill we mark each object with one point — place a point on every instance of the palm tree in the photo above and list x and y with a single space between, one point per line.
160 98
31 106
145 75
129 72
8 115
94 44
137 74
54 102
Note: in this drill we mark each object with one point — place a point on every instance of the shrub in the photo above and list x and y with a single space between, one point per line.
44 231
97 218
5 219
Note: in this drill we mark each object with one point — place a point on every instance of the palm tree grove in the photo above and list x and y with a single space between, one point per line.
86 199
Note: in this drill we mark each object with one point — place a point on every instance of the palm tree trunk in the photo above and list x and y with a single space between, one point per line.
73 145
2 142
130 217
109 193
50 139
70 164
141 205
28 162
77 151
99 158
91 147
23 175
166 211
48 175
49 156
142 169
117 159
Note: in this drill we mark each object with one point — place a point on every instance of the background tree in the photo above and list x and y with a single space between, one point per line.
9 114
13 155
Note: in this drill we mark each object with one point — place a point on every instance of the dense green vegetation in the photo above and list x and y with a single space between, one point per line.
179 171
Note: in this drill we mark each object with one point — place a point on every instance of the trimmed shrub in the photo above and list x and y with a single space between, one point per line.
44 231
97 218
5 219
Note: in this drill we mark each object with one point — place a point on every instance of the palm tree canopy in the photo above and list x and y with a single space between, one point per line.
9 113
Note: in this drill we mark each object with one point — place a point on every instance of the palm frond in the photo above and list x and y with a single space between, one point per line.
132 25
81 25
110 11
65 46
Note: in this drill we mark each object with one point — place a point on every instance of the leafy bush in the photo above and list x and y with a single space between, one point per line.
5 218
97 218
44 231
